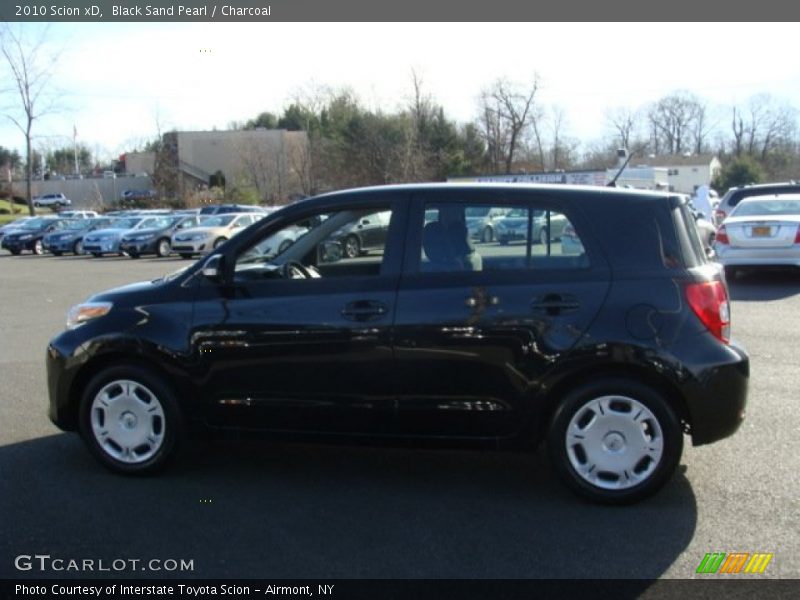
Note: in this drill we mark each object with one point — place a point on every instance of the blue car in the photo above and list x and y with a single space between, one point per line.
106 241
70 238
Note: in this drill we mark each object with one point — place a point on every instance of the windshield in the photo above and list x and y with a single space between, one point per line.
477 211
767 208
125 223
76 224
217 221
36 223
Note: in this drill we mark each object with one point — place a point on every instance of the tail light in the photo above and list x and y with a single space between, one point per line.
722 235
709 301
797 236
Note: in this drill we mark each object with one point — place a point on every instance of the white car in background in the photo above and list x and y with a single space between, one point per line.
761 231
212 232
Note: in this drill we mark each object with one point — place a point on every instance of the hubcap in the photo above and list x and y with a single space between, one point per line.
614 442
127 421
164 248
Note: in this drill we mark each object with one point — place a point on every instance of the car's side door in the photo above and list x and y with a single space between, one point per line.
478 326
292 343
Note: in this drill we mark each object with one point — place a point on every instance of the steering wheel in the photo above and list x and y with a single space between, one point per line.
292 268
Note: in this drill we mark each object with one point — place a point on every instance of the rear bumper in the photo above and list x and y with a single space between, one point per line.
717 396
731 256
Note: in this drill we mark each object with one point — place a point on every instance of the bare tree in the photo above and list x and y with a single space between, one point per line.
625 122
31 70
672 119
506 112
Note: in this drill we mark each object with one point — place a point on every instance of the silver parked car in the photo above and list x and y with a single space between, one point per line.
761 231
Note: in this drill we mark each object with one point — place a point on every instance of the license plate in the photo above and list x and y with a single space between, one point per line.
761 231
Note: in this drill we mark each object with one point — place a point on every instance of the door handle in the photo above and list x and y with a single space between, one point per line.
555 304
364 310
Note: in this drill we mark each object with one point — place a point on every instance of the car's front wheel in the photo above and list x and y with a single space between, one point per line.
163 248
38 247
615 440
129 419
352 246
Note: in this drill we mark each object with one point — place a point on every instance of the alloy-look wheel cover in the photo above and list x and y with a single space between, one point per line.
614 442
128 421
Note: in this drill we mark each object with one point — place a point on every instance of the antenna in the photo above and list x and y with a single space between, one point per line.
613 182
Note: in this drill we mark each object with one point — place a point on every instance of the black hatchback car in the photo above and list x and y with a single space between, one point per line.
609 352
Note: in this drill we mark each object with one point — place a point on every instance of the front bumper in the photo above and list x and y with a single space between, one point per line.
101 247
66 245
190 246
136 247
17 245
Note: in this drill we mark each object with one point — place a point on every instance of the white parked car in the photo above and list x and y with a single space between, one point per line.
52 200
761 231
212 232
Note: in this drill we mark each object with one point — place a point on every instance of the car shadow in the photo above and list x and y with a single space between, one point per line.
764 285
250 509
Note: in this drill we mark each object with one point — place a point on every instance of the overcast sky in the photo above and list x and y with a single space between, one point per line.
114 81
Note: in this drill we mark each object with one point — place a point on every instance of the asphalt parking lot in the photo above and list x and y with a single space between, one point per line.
268 510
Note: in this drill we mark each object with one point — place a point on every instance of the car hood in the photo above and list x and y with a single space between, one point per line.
132 232
99 232
203 230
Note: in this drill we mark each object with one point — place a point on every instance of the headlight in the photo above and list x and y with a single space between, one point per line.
81 313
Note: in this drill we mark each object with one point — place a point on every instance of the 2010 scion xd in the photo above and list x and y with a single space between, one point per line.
610 341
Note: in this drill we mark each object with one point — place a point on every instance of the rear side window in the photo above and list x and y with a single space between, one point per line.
691 246
636 235
495 237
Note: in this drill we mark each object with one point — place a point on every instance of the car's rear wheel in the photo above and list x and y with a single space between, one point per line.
352 247
38 247
615 440
129 419
543 236
77 248
488 235
163 248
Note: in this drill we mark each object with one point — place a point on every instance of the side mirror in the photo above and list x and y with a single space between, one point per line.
329 252
213 269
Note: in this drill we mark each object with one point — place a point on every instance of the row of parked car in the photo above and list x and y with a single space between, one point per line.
133 233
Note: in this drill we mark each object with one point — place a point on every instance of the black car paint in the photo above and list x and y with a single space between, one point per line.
271 356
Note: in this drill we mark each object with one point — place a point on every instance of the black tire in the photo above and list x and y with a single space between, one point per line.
163 248
543 236
655 426
15 252
487 236
97 254
57 253
503 241
185 256
352 247
133 254
164 424
38 247
219 241
77 247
